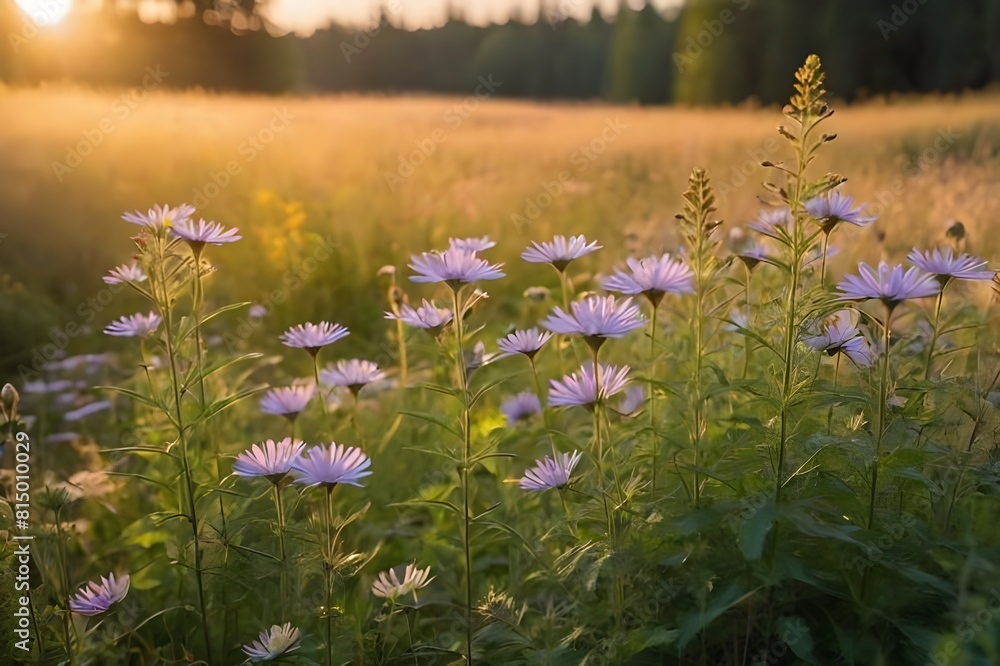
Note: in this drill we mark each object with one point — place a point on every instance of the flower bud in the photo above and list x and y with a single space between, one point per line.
8 402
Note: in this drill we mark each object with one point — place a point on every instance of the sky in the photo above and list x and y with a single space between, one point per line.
306 15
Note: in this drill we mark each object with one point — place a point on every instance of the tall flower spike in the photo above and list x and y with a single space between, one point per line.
329 465
889 284
832 208
134 326
596 319
313 337
454 267
527 342
278 641
269 459
582 389
559 251
653 277
945 266
95 598
428 316
548 473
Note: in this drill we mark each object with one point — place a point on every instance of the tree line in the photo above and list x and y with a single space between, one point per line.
708 52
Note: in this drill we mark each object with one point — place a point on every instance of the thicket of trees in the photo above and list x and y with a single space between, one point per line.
712 51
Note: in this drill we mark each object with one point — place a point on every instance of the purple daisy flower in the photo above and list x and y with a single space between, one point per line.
521 407
945 266
842 336
527 342
96 598
134 326
270 459
471 244
427 316
287 401
159 217
313 337
632 401
329 465
204 233
773 221
548 473
653 277
453 267
889 284
596 319
559 251
582 389
832 208
353 374
125 273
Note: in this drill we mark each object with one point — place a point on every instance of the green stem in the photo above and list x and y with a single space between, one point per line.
655 444
401 343
64 574
542 398
466 455
883 398
836 377
822 272
328 568
934 335
280 511
599 444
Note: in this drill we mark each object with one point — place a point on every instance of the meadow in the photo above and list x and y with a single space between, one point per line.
748 496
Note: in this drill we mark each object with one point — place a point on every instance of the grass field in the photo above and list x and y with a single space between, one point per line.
759 501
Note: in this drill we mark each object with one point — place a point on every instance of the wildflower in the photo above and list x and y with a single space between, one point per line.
453 266
527 342
889 284
471 244
945 266
634 398
87 410
772 221
205 233
389 586
159 217
134 326
596 319
329 465
313 337
842 336
745 248
94 598
125 273
653 277
278 641
9 399
559 252
287 401
521 407
270 459
55 386
549 473
738 320
832 208
257 311
353 374
582 388
427 316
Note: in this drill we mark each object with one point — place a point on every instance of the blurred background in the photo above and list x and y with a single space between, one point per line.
367 130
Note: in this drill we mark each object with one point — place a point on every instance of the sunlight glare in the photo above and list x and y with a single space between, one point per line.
46 12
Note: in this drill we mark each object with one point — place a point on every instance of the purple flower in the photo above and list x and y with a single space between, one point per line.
842 336
773 221
329 465
471 244
889 284
204 233
559 251
134 326
520 407
453 266
125 273
596 319
313 337
354 374
634 398
944 265
159 217
94 598
581 388
832 208
427 316
87 410
287 401
527 342
277 642
548 473
270 459
652 277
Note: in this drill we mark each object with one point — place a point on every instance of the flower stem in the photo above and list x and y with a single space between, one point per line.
654 442
328 568
543 400
883 396
401 343
822 270
280 511
934 335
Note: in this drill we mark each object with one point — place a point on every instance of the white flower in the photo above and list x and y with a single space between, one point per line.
389 586
159 217
134 326
125 273
204 233
278 641
471 244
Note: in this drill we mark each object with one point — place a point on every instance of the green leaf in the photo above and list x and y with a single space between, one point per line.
134 395
433 419
188 330
439 503
753 531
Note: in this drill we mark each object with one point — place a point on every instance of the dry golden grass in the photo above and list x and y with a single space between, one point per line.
335 151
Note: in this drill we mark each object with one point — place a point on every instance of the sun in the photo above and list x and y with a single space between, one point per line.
46 12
